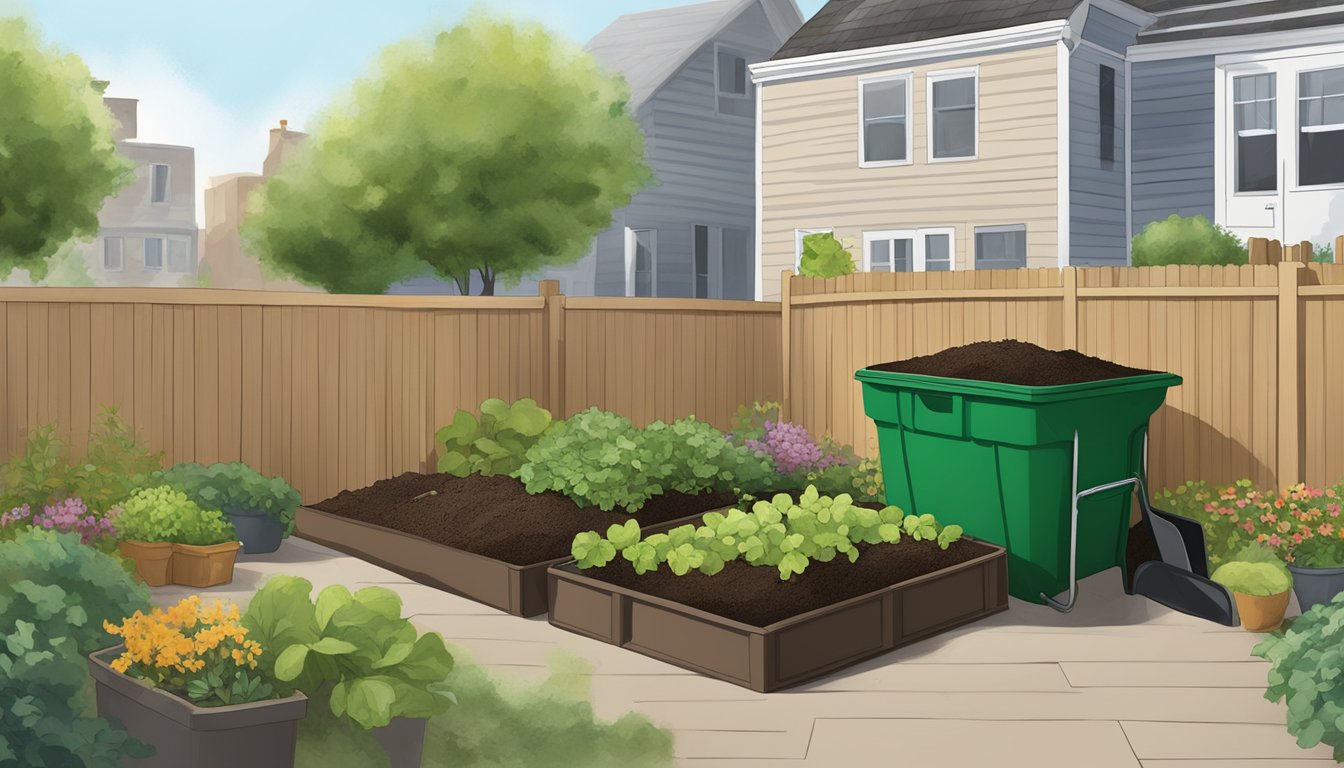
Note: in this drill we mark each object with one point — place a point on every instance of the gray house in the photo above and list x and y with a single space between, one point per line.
977 135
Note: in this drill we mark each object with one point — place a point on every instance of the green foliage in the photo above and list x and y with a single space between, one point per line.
595 458
1323 253
55 594
494 444
1306 660
1187 240
235 488
238 689
1258 579
162 513
824 256
698 458
861 478
781 533
355 649
495 148
57 156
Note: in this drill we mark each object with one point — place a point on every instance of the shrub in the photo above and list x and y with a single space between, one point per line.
233 487
1305 664
698 458
55 594
355 649
800 461
494 444
162 514
595 458
68 516
1323 253
1299 523
1186 240
824 256
1258 579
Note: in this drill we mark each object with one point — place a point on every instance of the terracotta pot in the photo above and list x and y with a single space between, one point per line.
153 560
261 734
1261 614
204 566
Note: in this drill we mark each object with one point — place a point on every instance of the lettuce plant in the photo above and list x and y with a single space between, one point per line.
356 650
234 488
163 514
596 458
494 444
1306 661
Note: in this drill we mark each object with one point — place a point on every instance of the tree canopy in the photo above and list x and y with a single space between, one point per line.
495 148
58 162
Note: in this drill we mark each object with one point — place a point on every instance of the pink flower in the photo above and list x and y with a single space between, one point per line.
1275 541
1241 503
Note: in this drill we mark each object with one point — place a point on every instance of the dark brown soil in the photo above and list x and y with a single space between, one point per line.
1012 362
1141 547
495 516
756 595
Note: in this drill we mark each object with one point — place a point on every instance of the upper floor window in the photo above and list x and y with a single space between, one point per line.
952 115
1106 113
113 254
158 190
1320 103
884 136
1255 126
734 95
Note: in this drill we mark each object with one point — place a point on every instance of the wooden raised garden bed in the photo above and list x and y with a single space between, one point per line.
790 650
390 527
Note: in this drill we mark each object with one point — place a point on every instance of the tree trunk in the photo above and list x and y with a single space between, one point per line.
487 281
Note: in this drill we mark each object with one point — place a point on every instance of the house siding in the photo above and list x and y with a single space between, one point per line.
1097 187
1173 126
1109 31
811 176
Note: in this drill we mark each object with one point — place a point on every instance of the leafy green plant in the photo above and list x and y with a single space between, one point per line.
595 458
781 533
698 458
1323 253
163 514
824 256
1186 240
1300 523
356 650
1306 660
494 444
1258 579
235 488
55 594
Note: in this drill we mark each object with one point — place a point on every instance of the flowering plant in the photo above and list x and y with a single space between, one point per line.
68 516
1299 523
201 653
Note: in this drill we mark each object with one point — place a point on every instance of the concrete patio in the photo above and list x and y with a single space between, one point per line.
1119 683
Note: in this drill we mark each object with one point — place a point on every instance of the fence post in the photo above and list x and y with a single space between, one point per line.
554 324
1289 468
1339 249
1070 308
785 321
1258 248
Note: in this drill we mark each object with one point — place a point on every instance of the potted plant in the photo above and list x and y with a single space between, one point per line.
1315 544
261 508
356 653
187 681
201 543
1302 670
1260 584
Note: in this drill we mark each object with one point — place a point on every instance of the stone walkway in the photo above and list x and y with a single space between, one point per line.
1119 683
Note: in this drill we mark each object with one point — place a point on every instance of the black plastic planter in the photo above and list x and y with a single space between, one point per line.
260 533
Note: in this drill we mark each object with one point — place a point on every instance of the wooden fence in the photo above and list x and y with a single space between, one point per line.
1265 251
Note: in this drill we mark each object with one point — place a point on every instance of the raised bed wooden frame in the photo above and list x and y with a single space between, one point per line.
518 589
790 651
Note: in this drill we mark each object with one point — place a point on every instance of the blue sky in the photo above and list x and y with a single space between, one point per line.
216 75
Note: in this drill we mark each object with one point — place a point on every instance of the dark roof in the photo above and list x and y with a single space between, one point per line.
1231 20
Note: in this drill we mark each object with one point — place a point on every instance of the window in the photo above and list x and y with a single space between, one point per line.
798 235
1001 247
735 96
909 250
158 192
641 262
153 253
178 261
1257 159
112 254
701 251
1320 103
884 136
952 118
1106 113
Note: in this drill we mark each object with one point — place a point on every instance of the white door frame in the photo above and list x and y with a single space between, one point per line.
630 259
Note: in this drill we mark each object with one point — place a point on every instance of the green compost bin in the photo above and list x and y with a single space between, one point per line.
997 459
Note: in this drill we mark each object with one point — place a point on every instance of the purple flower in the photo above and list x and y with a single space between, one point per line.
791 448
68 516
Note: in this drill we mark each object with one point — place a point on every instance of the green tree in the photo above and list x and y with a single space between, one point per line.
1187 240
58 162
495 148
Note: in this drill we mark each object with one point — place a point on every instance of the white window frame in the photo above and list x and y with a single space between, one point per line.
163 254
1300 129
721 94
918 253
167 183
121 252
1230 111
941 76
630 259
909 79
798 235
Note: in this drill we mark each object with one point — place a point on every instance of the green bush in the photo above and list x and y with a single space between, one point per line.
232 488
1257 579
1323 253
163 514
698 458
824 256
494 444
1186 240
1306 660
55 594
595 458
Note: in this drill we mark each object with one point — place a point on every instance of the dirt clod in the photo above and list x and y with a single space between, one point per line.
1012 362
